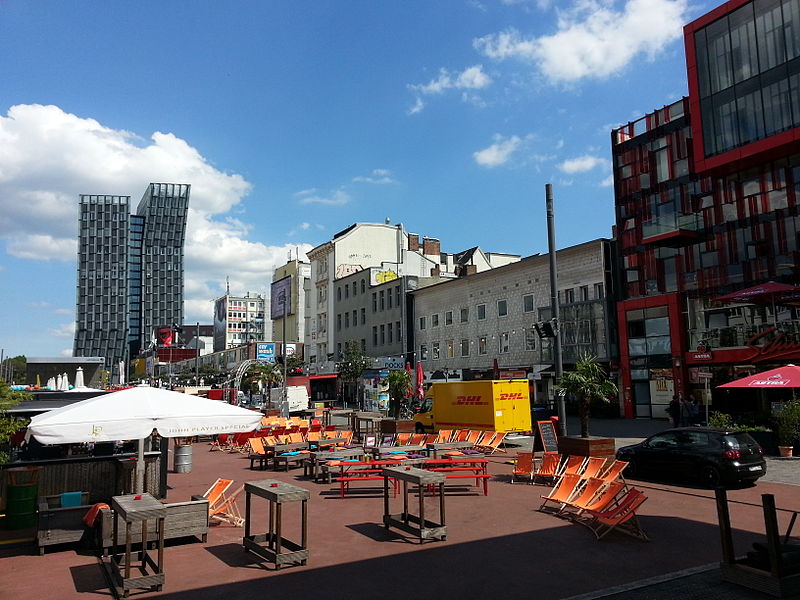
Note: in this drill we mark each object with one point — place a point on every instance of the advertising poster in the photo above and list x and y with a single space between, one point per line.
281 298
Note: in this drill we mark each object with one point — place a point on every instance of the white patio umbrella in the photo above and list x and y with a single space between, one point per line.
134 413
59 382
79 378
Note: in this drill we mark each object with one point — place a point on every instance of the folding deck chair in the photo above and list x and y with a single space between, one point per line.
228 511
216 493
620 517
493 445
523 468
562 491
604 498
549 467
593 467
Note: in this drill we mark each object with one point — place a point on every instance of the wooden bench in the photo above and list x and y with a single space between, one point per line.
345 481
183 519
59 525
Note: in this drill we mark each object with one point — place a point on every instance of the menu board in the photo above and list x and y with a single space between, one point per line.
545 438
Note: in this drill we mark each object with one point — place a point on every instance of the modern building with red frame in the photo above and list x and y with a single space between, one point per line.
706 197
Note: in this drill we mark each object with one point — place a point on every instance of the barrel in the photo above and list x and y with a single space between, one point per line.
22 489
183 458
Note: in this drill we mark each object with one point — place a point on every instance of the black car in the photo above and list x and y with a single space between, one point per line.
712 456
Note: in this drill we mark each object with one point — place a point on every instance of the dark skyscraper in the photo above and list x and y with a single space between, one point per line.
130 270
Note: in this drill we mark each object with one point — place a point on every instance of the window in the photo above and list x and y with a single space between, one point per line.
503 343
530 339
599 292
451 349
383 334
399 331
502 308
374 335
584 290
338 322
569 296
347 291
382 300
346 320
388 298
363 316
389 333
481 312
363 286
422 323
338 294
397 296
435 320
448 317
464 347
482 345
464 315
355 288
435 350
355 318
363 345
374 302
527 303
423 352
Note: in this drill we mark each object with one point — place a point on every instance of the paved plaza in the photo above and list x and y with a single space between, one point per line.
496 545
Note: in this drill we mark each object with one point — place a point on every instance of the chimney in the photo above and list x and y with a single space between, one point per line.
431 247
413 242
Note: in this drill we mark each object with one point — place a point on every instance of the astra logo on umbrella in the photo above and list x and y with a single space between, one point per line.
771 380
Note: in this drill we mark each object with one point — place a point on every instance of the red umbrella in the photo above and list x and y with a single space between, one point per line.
410 391
420 380
782 377
767 293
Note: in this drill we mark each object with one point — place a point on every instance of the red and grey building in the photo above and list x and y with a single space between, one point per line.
706 197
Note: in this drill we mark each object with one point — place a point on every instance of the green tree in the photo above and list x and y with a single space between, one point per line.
587 382
9 425
399 389
354 362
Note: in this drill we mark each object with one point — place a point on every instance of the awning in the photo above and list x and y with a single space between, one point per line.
770 292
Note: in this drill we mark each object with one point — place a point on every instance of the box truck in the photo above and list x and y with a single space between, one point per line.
296 396
489 405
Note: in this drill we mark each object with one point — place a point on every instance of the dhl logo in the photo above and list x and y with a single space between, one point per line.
469 401
511 396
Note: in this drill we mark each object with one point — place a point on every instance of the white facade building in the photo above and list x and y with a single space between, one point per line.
300 272
240 319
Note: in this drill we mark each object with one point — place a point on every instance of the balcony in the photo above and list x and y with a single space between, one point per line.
673 231
737 336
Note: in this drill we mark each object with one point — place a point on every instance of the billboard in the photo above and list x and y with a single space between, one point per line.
265 352
281 298
220 320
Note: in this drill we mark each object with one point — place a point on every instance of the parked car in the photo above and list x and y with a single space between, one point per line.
711 456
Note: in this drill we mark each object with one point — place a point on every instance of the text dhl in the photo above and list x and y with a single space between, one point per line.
469 401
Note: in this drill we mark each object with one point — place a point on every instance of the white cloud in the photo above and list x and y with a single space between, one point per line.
471 78
63 311
378 177
335 198
499 152
581 164
66 352
65 330
608 181
593 39
48 157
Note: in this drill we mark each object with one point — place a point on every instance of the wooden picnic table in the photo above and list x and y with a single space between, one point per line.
380 451
280 457
437 447
417 525
316 459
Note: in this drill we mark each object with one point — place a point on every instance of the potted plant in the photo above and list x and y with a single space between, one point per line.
787 422
587 382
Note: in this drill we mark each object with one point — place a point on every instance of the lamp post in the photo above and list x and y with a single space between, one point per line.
551 244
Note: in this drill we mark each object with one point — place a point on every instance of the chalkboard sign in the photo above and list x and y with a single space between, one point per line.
545 438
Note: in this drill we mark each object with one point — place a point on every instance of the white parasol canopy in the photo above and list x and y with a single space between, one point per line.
134 413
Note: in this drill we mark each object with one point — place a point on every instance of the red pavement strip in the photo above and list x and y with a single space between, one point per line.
496 545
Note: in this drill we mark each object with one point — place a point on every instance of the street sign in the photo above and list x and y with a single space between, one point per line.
705 375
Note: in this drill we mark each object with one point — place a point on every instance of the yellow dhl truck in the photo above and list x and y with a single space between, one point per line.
488 405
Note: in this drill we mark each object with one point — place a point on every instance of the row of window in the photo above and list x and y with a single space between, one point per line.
467 347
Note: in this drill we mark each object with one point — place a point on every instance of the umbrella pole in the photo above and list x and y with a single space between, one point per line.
140 468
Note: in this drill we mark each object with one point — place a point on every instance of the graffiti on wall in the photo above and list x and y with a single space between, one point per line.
345 270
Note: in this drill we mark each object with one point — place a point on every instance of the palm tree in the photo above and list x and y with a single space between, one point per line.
399 389
587 382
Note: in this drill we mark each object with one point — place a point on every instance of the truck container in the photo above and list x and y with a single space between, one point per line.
296 395
489 405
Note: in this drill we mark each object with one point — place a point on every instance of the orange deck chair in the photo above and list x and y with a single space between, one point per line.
573 465
614 471
621 517
228 510
587 491
417 439
216 493
549 467
493 445
220 442
444 436
402 439
604 499
296 438
430 438
474 436
595 465
460 435
523 468
563 490
347 434
313 436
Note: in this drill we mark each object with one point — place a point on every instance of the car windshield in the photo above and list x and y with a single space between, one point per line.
737 441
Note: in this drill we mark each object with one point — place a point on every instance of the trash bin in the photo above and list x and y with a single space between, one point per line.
183 458
22 489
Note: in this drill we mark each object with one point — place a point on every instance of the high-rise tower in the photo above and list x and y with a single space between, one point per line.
130 270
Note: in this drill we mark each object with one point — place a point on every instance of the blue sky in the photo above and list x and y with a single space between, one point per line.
293 120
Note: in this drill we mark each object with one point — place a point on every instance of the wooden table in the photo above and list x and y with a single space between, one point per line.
364 423
137 508
315 459
387 451
417 525
272 546
436 447
278 458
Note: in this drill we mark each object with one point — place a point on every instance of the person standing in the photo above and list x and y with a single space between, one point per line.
685 412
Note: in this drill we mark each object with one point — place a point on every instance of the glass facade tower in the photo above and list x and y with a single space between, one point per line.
130 270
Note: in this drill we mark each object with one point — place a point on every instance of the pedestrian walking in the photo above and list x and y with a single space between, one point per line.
694 410
685 413
674 410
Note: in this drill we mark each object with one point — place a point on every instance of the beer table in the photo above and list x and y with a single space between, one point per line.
137 509
417 525
272 546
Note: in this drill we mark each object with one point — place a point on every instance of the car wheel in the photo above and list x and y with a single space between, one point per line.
710 476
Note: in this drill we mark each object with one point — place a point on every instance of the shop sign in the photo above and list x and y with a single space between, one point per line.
702 356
